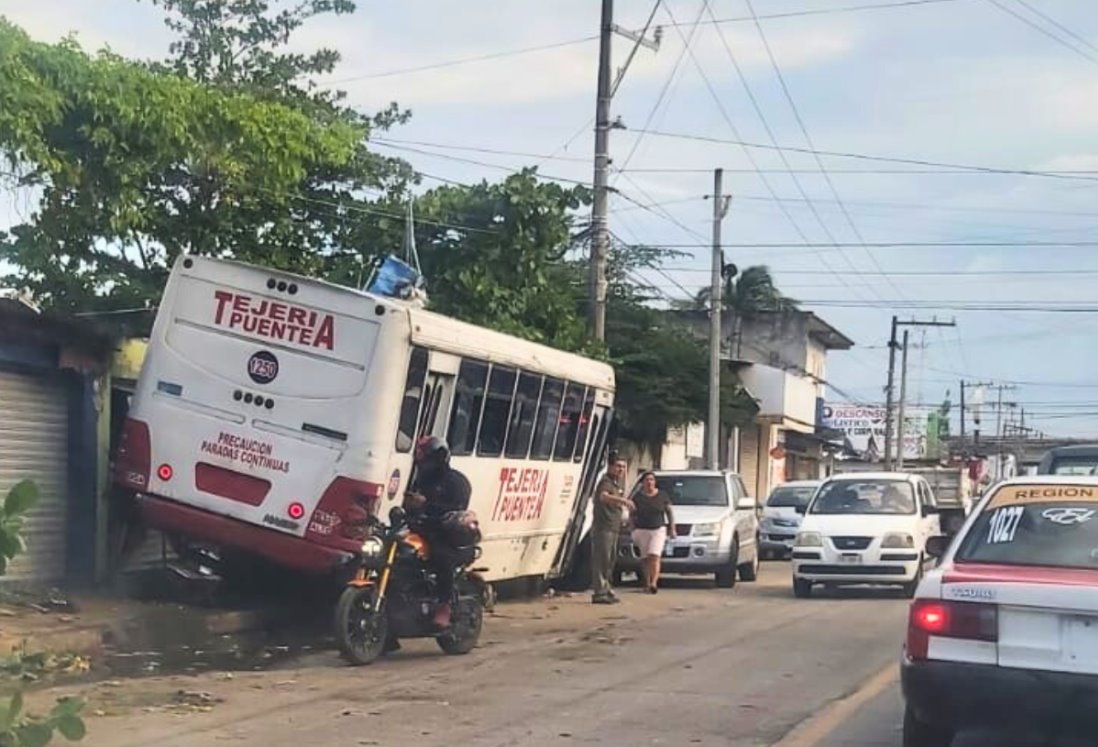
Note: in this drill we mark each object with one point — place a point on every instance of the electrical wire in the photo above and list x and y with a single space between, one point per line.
459 61
1052 21
832 11
735 132
687 41
808 140
868 157
1041 29
774 141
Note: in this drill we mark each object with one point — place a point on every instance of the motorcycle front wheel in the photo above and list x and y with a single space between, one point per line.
465 624
361 630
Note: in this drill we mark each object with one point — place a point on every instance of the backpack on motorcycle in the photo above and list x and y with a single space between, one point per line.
462 528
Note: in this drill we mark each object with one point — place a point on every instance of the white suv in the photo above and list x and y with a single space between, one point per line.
868 528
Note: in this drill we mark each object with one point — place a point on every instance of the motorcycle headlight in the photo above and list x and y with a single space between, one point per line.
809 539
707 530
372 547
894 540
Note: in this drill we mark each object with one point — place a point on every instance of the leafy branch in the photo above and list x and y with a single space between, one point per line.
18 728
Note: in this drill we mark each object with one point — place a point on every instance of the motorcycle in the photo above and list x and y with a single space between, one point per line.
391 595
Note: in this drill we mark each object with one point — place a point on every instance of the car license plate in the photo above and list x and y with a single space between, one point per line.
668 550
849 559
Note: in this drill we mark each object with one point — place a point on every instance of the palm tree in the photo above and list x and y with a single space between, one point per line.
749 292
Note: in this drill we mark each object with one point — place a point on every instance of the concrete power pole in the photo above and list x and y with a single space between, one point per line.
600 231
903 402
888 393
713 422
890 435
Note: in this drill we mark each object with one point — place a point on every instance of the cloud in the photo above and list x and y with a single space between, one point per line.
569 70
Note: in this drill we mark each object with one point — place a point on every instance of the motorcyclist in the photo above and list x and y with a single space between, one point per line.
438 490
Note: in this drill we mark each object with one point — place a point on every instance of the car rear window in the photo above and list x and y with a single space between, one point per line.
790 497
693 490
870 496
1036 524
1078 465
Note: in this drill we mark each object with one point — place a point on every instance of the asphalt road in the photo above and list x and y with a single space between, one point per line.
694 665
877 724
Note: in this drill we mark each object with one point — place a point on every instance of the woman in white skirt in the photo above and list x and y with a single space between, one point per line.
653 523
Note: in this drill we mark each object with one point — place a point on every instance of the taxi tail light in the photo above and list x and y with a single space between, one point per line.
971 621
351 502
133 456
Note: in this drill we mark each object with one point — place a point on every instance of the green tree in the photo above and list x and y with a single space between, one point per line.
661 366
18 728
134 167
244 45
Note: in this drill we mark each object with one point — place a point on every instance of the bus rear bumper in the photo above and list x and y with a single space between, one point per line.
194 523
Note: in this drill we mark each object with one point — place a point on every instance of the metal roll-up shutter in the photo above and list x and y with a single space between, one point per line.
34 428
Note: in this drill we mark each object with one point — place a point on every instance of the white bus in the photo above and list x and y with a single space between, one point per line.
274 411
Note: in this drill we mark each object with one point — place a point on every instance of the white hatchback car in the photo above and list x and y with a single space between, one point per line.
1003 634
867 528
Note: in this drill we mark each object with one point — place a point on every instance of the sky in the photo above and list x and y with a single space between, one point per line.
1003 85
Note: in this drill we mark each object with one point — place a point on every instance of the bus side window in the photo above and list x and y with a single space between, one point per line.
468 398
569 423
584 425
545 425
413 395
521 427
497 406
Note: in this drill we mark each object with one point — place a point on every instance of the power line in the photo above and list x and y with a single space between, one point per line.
1041 29
868 157
459 61
687 41
735 132
1049 19
684 170
830 11
923 273
899 245
485 164
808 140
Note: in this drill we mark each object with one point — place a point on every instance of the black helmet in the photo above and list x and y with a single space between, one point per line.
432 451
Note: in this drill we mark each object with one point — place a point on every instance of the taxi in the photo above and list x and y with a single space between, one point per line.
1003 634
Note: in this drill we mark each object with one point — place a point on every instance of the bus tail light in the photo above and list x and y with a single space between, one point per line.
165 472
133 457
340 518
934 617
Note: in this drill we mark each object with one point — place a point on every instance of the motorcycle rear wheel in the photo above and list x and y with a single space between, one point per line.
361 631
466 621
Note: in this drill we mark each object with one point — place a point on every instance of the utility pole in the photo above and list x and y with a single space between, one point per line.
888 393
962 413
890 462
600 231
903 402
713 422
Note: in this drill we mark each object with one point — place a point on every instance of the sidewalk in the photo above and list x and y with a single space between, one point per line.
92 624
